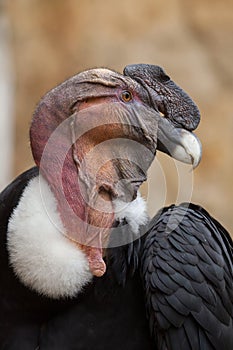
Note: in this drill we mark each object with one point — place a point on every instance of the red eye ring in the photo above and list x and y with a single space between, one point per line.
126 96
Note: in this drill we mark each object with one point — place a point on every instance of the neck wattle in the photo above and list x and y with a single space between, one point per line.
85 223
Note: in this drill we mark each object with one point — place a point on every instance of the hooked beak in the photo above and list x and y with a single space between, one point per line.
179 143
179 115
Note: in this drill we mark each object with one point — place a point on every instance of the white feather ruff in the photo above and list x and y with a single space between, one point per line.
41 256
135 212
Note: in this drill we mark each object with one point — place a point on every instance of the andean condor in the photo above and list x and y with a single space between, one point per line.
78 268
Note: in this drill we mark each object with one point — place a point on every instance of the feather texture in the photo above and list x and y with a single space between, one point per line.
188 279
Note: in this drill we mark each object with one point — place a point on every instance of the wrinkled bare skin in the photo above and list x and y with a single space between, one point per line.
105 160
166 95
94 146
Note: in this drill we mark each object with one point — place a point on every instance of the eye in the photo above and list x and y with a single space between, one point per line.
126 96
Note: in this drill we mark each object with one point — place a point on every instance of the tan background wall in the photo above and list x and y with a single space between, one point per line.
191 39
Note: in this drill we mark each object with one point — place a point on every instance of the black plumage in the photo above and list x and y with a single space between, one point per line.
188 278
179 273
170 289
108 313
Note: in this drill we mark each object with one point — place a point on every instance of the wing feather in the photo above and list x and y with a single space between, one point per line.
188 278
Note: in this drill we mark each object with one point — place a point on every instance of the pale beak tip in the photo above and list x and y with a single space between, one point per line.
196 154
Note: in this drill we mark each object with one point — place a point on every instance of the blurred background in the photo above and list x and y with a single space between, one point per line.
44 42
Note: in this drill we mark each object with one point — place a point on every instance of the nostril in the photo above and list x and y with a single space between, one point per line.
162 109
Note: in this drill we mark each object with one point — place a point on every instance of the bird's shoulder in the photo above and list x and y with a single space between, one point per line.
188 278
10 196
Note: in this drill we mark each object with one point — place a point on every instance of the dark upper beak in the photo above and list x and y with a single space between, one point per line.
180 115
